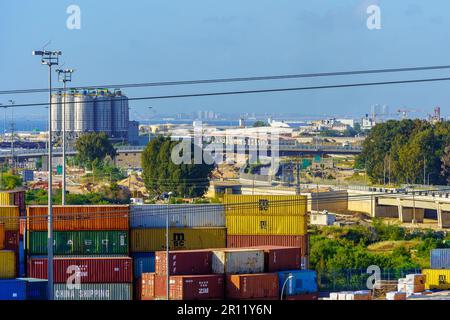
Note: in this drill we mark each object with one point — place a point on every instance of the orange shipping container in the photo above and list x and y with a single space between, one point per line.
146 287
251 286
73 218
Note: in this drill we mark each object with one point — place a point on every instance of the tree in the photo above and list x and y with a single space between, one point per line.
94 147
445 168
161 174
260 123
10 181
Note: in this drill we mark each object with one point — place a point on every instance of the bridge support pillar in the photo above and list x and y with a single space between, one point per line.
443 217
408 215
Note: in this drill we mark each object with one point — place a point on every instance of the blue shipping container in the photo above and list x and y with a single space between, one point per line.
143 263
13 289
36 288
301 281
22 260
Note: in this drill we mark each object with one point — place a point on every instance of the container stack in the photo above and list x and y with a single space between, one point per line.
90 248
23 289
363 295
192 227
9 242
261 220
438 276
234 274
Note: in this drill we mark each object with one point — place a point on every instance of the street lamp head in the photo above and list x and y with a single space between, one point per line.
38 53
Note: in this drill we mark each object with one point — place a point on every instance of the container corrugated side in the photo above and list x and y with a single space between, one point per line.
301 281
440 259
92 270
180 216
243 241
147 286
36 288
235 261
13 289
251 286
6 199
7 264
184 262
143 262
437 279
266 225
191 287
281 258
2 235
94 291
11 240
147 240
9 215
80 242
76 218
265 204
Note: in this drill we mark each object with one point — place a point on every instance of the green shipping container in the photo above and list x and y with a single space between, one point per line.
80 243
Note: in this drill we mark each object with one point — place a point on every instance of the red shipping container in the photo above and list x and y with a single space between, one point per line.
19 200
280 258
11 241
191 287
92 270
147 286
185 262
23 227
244 241
251 286
306 296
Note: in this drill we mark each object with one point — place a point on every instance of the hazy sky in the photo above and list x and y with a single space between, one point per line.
158 40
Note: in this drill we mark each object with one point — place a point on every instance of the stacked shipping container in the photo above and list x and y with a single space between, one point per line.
90 247
192 227
9 241
261 220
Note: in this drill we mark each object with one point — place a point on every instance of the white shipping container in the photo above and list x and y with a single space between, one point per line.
180 215
238 261
94 291
440 259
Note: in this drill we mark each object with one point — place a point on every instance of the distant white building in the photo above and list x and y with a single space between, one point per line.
367 123
348 122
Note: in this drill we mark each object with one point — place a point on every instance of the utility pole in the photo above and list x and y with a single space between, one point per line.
167 248
49 58
64 76
12 135
297 188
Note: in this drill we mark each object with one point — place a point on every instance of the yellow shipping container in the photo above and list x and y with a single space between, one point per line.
266 225
2 235
7 264
437 279
6 199
147 240
265 204
9 215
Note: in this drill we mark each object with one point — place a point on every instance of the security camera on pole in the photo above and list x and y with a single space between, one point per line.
49 58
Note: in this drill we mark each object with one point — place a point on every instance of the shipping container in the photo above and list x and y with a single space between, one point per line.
9 215
14 198
143 262
440 259
91 270
265 204
94 291
190 287
11 241
80 242
251 286
305 296
13 289
180 216
280 258
266 225
78 218
186 262
22 226
245 241
7 264
238 261
147 240
147 287
22 269
2 235
437 279
36 288
298 282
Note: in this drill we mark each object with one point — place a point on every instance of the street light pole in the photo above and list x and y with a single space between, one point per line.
64 76
49 58
12 134
167 248
284 285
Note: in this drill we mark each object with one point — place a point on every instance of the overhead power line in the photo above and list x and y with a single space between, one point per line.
238 79
224 93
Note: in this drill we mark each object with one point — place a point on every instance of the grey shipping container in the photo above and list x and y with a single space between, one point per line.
94 291
180 216
238 261
440 259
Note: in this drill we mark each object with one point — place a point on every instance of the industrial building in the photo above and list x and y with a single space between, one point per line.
97 110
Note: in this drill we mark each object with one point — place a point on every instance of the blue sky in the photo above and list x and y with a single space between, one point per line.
158 40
